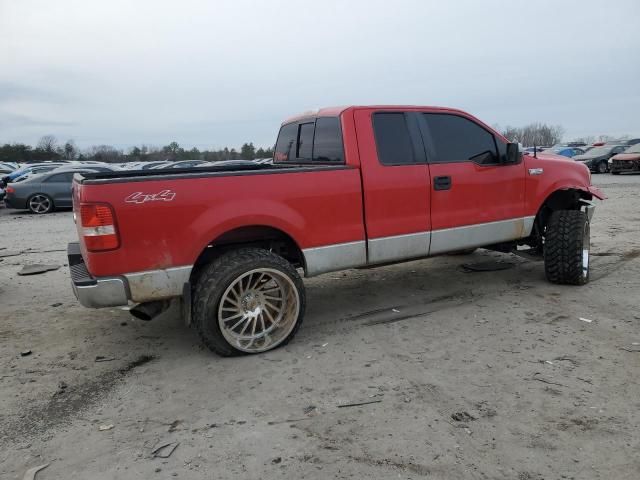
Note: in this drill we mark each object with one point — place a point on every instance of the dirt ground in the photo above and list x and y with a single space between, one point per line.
496 375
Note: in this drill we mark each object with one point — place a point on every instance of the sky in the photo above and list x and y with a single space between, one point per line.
220 73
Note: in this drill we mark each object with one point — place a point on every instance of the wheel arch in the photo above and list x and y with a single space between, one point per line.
570 198
261 236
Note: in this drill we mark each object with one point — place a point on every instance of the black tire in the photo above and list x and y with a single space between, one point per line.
218 276
566 239
602 167
40 203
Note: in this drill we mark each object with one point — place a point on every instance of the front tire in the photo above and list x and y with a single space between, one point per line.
566 248
248 301
40 204
602 167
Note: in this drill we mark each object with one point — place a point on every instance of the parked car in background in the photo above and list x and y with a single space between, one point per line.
565 151
627 142
29 169
44 192
627 161
597 159
7 167
180 164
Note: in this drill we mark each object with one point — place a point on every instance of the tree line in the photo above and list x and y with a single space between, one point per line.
48 148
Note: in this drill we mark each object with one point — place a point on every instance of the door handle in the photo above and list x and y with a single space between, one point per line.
442 183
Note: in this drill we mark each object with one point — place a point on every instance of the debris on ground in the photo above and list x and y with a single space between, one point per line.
586 320
462 417
173 426
633 348
308 409
37 268
357 404
33 471
544 380
486 266
62 386
57 304
104 428
276 460
164 451
101 358
25 353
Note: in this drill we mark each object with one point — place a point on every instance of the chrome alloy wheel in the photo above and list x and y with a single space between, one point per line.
258 310
39 204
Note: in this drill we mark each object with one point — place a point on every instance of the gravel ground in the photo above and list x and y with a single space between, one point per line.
496 375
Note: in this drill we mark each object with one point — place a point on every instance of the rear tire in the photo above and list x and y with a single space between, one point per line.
248 301
566 248
40 204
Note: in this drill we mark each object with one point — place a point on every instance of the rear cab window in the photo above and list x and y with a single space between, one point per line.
393 140
311 141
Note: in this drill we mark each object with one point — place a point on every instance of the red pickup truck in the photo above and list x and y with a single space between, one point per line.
349 187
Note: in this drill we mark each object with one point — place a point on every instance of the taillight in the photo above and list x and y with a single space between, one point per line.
98 227
10 190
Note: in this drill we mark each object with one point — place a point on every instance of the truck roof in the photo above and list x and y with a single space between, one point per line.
335 111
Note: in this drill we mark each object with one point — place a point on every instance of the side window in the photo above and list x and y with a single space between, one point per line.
457 139
304 149
327 142
392 139
285 145
60 178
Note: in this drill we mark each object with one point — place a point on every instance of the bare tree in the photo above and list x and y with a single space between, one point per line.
538 133
69 151
105 153
586 139
47 143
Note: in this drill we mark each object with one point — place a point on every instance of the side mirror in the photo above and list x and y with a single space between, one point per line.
513 153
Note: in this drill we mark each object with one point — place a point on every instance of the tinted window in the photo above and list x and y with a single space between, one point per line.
457 139
305 141
327 142
61 178
392 139
285 146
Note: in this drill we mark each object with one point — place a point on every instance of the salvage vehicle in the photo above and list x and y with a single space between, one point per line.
597 159
627 161
350 187
44 192
566 151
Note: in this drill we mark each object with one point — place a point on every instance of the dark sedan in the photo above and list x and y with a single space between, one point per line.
597 159
45 192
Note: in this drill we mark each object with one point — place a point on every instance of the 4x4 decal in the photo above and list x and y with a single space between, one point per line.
139 197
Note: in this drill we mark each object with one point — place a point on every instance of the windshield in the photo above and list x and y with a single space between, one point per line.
597 151
634 149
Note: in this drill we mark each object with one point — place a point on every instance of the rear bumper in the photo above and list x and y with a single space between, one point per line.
94 292
137 287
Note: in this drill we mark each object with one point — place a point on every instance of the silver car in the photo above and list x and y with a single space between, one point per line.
45 192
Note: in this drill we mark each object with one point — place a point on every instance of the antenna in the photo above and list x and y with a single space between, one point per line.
535 150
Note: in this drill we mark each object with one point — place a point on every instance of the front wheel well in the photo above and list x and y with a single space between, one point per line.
567 199
257 236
